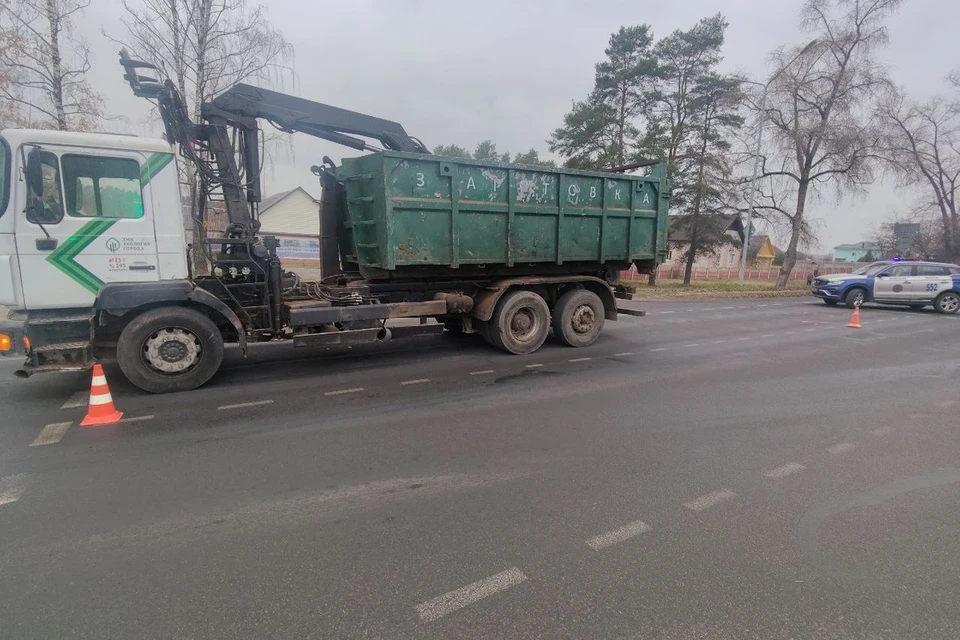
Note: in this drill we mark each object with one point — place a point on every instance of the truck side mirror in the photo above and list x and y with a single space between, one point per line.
34 172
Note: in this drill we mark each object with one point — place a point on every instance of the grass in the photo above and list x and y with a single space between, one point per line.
667 288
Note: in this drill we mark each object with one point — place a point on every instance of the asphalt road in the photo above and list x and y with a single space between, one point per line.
716 470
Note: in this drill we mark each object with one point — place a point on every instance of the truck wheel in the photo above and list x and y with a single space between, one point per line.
170 349
578 318
947 302
855 297
520 323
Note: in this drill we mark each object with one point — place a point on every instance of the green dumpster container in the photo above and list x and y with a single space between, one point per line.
403 212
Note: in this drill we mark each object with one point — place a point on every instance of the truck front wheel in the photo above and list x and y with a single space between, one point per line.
578 318
170 349
520 322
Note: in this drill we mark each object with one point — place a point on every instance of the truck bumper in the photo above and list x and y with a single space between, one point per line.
12 337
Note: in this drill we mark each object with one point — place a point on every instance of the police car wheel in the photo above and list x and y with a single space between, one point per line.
855 297
947 302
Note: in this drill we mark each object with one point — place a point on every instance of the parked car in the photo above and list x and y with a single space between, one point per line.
915 284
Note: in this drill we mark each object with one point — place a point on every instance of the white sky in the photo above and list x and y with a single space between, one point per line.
507 70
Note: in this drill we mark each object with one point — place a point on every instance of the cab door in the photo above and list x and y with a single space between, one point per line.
87 224
890 285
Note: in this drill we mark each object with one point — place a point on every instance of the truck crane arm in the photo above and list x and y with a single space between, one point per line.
211 148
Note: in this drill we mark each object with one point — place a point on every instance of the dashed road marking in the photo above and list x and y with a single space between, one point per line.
725 308
459 598
482 372
768 335
788 333
710 500
668 312
623 354
743 338
535 365
340 392
882 431
417 381
842 447
809 330
785 470
79 399
243 405
659 349
718 342
51 434
11 488
579 359
138 418
691 345
618 535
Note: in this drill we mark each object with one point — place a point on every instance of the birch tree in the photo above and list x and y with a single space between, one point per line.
44 66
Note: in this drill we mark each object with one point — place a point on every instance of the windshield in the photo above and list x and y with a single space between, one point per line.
870 269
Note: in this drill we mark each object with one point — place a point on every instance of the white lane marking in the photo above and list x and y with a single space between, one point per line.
710 309
777 304
882 431
768 335
809 330
242 405
11 488
842 447
743 338
710 500
618 535
659 349
668 312
535 365
417 381
579 359
784 470
481 373
788 333
459 598
692 344
137 418
51 434
79 399
718 342
340 392
623 354
725 308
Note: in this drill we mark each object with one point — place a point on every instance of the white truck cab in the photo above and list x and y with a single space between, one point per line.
107 209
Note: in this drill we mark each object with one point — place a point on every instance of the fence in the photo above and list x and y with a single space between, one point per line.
800 272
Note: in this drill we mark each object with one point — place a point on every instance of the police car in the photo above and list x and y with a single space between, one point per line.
917 284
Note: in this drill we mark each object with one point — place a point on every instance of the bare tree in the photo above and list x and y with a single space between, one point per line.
46 65
921 145
821 109
205 47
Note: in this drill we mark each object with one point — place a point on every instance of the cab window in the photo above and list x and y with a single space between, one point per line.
4 176
48 206
100 187
932 270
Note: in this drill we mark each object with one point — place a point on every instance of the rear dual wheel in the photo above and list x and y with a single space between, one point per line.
520 322
578 318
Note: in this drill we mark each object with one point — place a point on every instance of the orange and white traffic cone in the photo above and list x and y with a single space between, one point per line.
100 410
855 320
